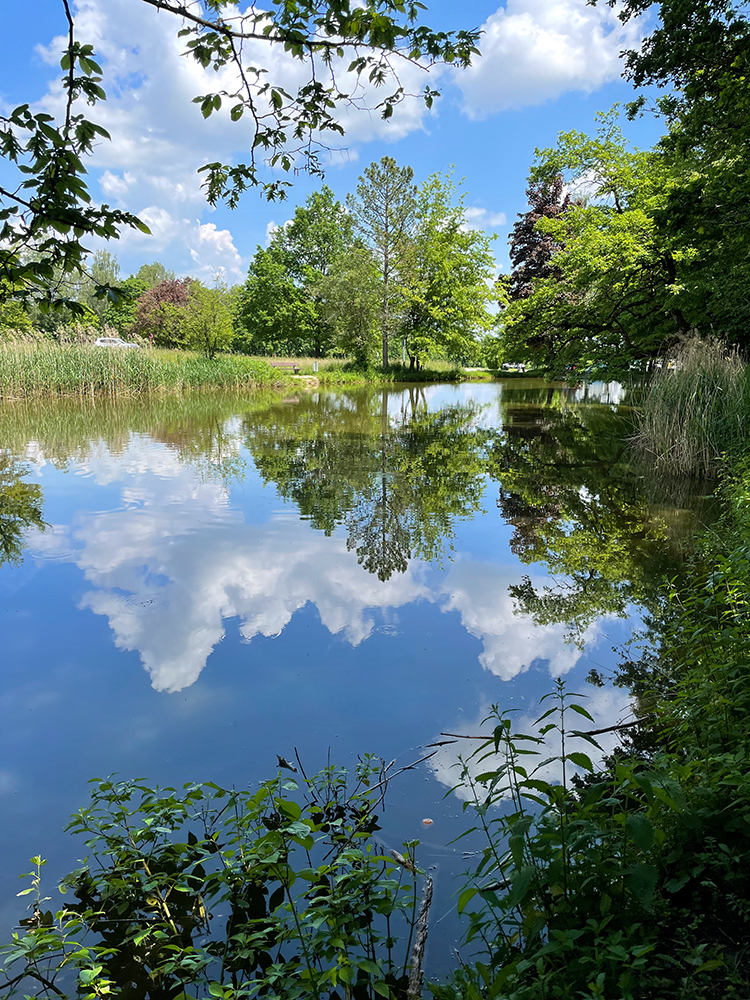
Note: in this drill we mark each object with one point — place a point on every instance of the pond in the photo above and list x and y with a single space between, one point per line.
193 585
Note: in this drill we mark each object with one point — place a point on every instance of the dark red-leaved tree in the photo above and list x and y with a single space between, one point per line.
160 312
531 252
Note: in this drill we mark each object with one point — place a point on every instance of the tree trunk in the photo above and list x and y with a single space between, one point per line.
385 326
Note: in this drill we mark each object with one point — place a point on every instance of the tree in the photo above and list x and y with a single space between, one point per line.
447 269
316 238
160 313
122 314
349 300
280 300
13 316
611 294
383 212
208 319
532 249
153 274
700 53
46 212
102 271
274 316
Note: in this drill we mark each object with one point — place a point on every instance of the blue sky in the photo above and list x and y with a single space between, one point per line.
546 66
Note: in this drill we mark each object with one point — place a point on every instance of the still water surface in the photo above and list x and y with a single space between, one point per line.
218 580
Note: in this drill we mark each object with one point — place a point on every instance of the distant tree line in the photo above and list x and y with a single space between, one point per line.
394 269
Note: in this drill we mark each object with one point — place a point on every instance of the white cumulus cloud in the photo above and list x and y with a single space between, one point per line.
482 218
535 50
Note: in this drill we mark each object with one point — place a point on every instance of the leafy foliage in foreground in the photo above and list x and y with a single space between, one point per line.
206 891
630 882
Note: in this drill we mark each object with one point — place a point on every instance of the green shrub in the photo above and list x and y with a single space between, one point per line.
633 881
279 891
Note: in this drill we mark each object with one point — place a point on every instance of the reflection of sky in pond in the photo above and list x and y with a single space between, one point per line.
258 633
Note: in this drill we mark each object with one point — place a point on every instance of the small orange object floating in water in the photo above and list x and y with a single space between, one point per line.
427 822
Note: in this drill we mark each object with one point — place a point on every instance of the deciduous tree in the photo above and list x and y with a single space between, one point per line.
160 313
208 319
349 299
153 274
610 296
280 309
274 316
447 269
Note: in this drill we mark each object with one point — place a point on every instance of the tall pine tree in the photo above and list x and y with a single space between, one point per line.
384 212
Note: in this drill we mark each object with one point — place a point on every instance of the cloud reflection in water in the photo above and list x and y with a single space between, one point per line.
177 560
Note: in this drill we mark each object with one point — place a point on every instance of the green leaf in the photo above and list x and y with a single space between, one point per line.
466 896
581 760
640 830
641 880
675 884
581 711
87 976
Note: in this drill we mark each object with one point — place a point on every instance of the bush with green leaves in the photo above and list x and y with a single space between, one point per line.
631 880
281 891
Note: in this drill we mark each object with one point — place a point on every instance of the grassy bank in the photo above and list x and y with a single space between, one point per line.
345 373
28 370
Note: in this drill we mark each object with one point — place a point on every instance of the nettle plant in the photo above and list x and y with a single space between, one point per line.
578 890
280 892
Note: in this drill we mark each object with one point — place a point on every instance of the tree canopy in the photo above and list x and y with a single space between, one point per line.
279 310
46 210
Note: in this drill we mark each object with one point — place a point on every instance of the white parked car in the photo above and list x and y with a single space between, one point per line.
114 342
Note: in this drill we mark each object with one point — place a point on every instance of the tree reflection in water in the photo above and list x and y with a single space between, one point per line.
578 504
397 473
20 508
397 479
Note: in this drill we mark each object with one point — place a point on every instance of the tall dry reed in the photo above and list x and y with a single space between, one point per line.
33 369
696 410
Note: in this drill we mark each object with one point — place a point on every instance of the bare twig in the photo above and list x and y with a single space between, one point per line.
580 732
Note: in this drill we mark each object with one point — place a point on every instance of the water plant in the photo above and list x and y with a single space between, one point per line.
80 370
695 410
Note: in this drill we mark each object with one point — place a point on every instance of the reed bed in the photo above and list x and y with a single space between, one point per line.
28 370
697 411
